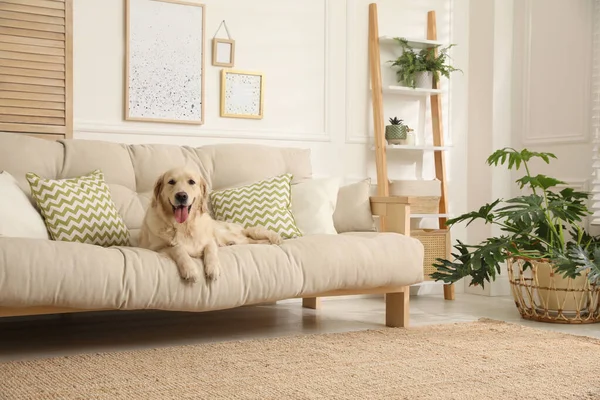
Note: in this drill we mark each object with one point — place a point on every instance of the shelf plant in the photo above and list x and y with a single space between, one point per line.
543 225
412 64
396 131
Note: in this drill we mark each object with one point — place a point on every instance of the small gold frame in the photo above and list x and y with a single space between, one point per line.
224 113
215 46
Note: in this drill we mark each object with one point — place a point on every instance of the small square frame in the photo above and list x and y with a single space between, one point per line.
227 72
215 52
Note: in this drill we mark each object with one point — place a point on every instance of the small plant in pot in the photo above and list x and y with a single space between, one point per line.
396 131
552 261
418 69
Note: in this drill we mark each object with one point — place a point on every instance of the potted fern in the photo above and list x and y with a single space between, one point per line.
553 262
417 69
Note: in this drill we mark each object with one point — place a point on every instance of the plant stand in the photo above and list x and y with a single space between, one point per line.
436 117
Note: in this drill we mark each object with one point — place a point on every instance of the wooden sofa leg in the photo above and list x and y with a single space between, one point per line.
311 302
449 292
396 308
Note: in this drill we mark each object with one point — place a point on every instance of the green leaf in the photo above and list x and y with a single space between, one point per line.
516 158
523 211
485 213
539 181
480 262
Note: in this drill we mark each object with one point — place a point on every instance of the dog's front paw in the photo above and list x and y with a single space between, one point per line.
275 239
212 272
190 276
189 272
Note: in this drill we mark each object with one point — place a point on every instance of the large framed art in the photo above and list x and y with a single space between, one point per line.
164 66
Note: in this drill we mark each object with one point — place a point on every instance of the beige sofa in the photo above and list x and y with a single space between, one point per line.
43 276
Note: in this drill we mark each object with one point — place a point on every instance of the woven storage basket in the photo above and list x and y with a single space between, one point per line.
437 245
543 295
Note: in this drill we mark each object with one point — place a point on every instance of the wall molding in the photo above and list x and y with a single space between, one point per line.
351 137
577 184
575 138
526 136
83 127
327 75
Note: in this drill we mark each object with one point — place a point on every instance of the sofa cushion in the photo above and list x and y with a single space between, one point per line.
20 154
267 203
353 209
47 273
79 210
313 204
18 216
230 165
113 159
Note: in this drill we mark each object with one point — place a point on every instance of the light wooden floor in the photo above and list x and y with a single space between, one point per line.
49 336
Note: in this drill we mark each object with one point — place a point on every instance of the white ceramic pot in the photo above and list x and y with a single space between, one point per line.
424 80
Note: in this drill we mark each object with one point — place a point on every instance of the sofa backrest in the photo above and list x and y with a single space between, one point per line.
131 170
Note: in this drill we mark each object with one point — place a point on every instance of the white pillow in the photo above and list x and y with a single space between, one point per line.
353 208
18 217
313 205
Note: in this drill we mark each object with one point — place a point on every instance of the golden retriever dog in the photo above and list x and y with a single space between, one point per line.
178 223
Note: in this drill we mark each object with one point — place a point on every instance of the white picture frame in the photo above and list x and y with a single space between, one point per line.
164 66
223 52
242 94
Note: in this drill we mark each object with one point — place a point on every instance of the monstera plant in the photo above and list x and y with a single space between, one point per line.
542 224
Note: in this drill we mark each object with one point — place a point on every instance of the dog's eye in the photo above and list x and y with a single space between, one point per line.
172 182
192 182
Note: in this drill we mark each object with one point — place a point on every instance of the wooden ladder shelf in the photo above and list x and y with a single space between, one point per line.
378 121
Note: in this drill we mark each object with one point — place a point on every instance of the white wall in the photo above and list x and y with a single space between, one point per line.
490 78
552 97
529 87
314 56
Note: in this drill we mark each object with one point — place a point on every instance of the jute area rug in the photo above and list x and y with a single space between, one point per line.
479 360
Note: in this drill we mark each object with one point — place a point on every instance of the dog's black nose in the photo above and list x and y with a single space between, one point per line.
181 197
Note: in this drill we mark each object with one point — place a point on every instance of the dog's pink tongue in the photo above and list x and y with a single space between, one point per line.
181 214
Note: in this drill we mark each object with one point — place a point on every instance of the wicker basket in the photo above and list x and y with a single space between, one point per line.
437 245
542 295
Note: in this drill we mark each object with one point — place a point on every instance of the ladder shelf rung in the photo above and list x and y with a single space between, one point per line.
412 42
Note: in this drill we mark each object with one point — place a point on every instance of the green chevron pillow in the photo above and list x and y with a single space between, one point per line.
79 210
266 203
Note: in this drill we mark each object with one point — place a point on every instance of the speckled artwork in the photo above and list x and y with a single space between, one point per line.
243 94
165 62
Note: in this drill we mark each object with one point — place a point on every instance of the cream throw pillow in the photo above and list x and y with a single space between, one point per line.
18 217
353 209
313 205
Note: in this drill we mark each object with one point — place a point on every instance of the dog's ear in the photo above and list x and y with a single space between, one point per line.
158 187
204 203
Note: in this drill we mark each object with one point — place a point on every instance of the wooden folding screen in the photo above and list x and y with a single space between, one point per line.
36 67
